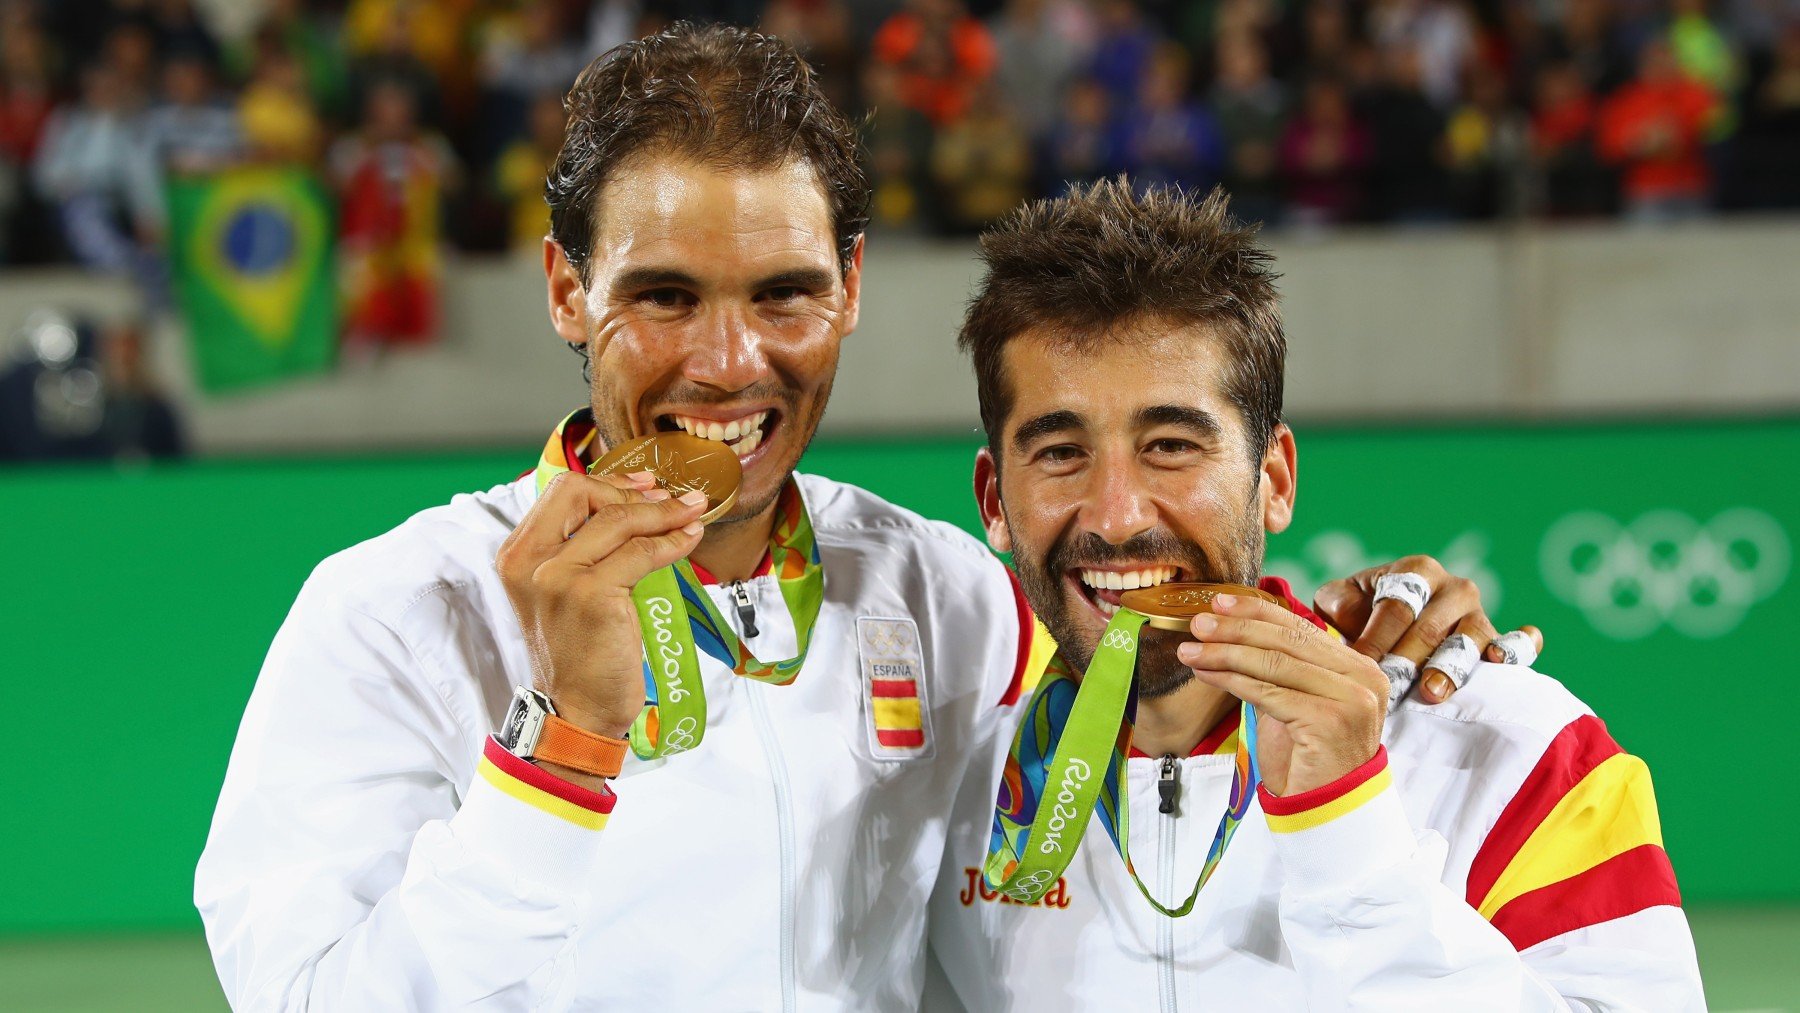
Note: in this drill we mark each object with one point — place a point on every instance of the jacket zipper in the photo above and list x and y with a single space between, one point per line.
746 609
1168 790
784 821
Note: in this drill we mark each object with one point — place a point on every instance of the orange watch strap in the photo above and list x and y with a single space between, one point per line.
577 748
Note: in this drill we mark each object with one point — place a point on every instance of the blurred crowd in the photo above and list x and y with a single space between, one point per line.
1311 111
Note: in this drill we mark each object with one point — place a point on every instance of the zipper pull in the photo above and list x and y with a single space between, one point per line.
740 596
1168 783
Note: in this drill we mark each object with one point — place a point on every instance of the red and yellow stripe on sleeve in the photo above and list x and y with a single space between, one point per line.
542 790
1579 844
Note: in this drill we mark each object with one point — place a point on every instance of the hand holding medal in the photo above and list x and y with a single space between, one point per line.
568 570
653 668
1322 703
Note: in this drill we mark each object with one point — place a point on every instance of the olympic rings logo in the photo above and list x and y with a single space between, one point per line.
681 738
1031 887
1118 640
1665 568
889 639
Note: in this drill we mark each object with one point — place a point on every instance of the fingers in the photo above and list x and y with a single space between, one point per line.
1520 647
1455 600
1264 641
612 527
1389 619
1276 702
1452 661
563 507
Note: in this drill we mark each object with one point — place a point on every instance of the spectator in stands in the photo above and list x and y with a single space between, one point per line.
823 33
130 51
290 26
941 54
1123 49
531 54
1040 46
1169 139
519 174
1084 145
1407 181
390 177
276 113
1585 37
1704 54
981 164
898 139
1486 143
1574 183
1654 129
139 421
26 102
385 40
91 167
1441 34
1250 108
193 130
1771 135
178 28
1326 39
1324 155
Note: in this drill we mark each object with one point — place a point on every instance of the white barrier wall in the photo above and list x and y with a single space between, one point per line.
1402 325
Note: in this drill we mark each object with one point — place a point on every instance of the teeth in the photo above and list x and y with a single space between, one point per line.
1107 608
748 444
1113 580
744 428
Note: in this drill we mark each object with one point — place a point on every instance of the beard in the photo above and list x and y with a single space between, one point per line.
1237 560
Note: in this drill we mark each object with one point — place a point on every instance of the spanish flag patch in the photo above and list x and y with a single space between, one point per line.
893 673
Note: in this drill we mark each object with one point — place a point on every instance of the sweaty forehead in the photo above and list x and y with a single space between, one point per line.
676 213
1108 380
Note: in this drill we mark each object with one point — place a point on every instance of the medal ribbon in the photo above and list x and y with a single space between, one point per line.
678 619
1069 759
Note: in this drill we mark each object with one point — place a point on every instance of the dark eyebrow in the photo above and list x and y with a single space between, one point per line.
654 277
1047 424
813 279
1196 421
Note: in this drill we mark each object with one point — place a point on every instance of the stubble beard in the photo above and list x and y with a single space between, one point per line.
1159 673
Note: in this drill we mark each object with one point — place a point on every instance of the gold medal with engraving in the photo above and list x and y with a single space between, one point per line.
1173 606
680 463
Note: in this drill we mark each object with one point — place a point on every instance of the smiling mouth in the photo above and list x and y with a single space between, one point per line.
1101 588
743 434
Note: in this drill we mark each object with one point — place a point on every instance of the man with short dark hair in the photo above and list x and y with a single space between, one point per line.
413 814
1499 851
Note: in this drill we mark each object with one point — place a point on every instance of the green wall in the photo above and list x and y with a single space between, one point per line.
139 604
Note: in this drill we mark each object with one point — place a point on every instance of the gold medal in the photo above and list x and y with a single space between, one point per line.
1173 606
680 463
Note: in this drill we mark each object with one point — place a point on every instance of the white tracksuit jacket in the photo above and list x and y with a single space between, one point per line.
1501 853
364 855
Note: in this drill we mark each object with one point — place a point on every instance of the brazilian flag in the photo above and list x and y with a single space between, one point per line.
251 256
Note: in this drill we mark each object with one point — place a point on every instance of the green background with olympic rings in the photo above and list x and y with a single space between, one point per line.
1656 557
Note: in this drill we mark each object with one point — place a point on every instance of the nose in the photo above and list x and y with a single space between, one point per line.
1118 506
727 354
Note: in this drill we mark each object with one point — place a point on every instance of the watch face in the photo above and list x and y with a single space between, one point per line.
515 724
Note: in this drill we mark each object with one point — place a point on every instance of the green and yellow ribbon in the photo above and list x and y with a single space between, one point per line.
1068 760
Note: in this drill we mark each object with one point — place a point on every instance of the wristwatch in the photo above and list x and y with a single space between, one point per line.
532 731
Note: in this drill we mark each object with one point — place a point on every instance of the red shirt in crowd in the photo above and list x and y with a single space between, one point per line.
1654 129
939 69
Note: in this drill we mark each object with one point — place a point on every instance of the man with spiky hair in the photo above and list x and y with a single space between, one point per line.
1498 851
419 810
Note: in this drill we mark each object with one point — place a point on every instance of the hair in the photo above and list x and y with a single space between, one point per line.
1085 268
723 96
